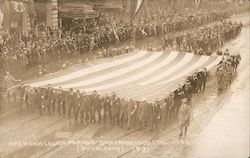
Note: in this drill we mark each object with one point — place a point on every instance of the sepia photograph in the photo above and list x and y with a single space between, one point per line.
124 78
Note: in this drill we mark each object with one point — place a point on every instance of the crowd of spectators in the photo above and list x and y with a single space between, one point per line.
35 48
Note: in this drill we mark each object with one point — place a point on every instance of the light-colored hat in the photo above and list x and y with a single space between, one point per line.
184 100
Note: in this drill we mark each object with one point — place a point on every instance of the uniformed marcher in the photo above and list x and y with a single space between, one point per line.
169 101
62 102
83 102
184 118
71 102
49 98
42 102
97 106
132 108
123 112
156 115
92 107
194 83
188 92
25 97
78 102
229 74
204 79
178 96
31 99
142 112
87 108
53 98
115 110
107 109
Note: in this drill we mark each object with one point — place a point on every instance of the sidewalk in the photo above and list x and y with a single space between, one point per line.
227 135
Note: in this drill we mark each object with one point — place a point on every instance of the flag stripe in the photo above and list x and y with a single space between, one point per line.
175 57
115 73
89 70
187 58
125 75
83 77
134 75
210 66
208 63
182 67
188 69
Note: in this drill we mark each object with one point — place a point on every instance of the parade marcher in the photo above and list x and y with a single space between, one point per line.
184 118
31 99
188 92
71 102
204 79
97 105
22 97
115 110
62 102
156 113
221 76
87 108
142 112
53 100
170 107
77 101
178 96
42 101
92 108
107 109
132 108
229 74
194 83
49 98
81 110
123 112
26 98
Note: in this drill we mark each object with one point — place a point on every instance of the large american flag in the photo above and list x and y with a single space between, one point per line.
141 74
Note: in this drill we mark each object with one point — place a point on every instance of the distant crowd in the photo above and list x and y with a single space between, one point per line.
36 49
205 39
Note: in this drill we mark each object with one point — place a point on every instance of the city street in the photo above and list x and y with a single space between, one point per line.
219 128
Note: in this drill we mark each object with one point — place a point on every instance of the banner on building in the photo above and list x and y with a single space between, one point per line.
6 13
136 6
1 19
197 3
